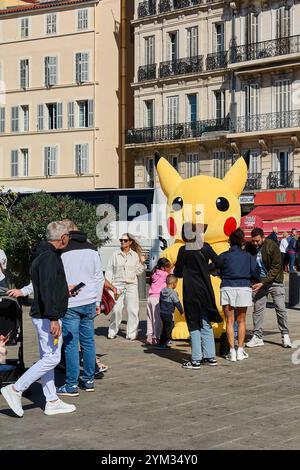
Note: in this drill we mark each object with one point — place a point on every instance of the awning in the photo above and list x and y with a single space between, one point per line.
276 212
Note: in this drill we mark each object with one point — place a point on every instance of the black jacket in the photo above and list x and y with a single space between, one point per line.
49 283
198 294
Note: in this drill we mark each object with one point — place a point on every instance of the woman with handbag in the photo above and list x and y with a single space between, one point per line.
123 269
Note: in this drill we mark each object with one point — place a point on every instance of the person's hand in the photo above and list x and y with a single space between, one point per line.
144 258
15 293
75 293
116 294
257 286
55 328
98 310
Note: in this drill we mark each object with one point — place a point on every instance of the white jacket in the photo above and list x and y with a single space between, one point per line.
124 268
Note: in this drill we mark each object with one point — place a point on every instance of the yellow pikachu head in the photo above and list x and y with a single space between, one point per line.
217 199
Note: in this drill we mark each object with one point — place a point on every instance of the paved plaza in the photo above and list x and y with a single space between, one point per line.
147 401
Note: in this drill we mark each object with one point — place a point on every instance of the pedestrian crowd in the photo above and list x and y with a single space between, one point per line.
67 283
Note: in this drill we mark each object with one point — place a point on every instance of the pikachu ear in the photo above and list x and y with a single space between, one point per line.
236 177
168 177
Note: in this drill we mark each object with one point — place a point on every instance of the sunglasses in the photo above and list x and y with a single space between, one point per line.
125 240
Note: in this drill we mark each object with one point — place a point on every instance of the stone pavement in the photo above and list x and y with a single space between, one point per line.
147 401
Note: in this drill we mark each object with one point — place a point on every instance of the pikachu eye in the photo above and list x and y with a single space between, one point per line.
222 204
177 204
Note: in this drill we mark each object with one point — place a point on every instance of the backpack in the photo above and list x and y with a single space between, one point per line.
107 302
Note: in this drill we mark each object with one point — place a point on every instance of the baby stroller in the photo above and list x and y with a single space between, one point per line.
11 322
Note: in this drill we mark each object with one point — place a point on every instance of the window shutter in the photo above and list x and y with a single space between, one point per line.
90 113
78 67
14 163
71 123
15 119
59 118
23 74
53 70
46 161
84 158
40 119
53 160
46 63
2 120
84 67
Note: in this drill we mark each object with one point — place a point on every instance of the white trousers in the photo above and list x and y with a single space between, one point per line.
44 368
131 300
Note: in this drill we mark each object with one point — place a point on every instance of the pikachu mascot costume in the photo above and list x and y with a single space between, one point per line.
222 215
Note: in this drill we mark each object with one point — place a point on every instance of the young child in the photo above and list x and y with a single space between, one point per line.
168 300
157 283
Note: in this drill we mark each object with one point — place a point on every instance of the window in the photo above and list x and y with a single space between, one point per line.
25 117
25 161
149 50
192 41
24 28
193 165
50 161
15 119
173 160
24 73
82 19
14 163
219 37
283 22
192 108
2 119
251 28
150 172
40 117
283 95
219 104
51 23
173 46
55 117
81 159
82 67
71 115
149 113
219 164
50 70
86 113
254 163
173 109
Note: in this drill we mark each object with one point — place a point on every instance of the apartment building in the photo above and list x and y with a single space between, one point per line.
213 79
60 128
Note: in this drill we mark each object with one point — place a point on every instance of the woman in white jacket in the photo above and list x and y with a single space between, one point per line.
122 271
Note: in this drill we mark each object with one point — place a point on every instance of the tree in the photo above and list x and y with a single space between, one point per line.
25 228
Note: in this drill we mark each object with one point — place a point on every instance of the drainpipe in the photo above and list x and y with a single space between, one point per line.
123 96
233 105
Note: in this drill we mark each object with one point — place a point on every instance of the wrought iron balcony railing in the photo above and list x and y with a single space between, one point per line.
265 122
281 179
179 131
147 8
170 5
181 66
217 60
262 50
253 182
147 72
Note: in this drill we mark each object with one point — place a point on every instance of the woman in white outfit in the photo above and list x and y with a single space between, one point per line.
122 271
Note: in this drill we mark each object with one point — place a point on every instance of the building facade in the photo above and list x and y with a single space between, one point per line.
212 80
59 104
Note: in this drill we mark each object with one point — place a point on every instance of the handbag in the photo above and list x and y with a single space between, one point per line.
107 302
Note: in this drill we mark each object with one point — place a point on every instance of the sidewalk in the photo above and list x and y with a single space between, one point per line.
147 401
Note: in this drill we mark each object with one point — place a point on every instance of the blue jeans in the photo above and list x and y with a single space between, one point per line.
78 326
203 339
292 257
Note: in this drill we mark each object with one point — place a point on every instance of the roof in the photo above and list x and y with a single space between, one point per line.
42 5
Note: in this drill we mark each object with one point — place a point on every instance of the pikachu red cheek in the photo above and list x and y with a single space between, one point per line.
172 226
230 226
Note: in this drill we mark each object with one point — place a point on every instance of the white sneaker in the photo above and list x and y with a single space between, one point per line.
231 356
241 354
13 399
286 341
254 342
58 407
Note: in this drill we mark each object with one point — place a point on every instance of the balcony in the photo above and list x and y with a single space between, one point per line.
280 179
266 122
147 8
217 60
265 49
171 5
147 72
181 66
253 182
179 131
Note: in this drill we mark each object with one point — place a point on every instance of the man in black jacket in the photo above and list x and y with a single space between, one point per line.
50 303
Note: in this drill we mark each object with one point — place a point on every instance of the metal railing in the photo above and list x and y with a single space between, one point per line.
265 122
217 60
280 179
181 66
178 131
253 182
147 8
265 49
147 72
